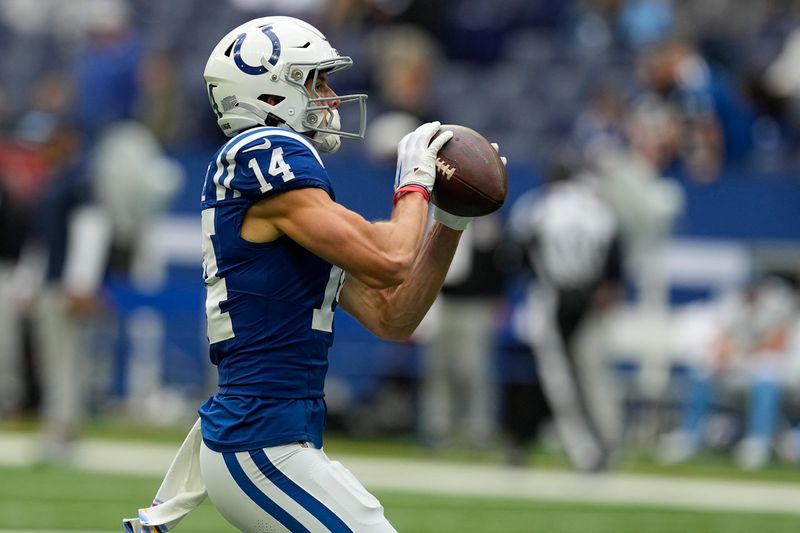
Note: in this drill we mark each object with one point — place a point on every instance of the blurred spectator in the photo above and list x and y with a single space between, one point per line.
385 131
93 215
723 26
106 85
5 113
352 15
13 224
458 386
134 183
595 25
645 205
11 380
601 127
67 247
294 8
161 105
24 174
572 240
679 81
646 22
404 61
745 351
53 93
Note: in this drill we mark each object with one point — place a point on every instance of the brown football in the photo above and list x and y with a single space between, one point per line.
470 177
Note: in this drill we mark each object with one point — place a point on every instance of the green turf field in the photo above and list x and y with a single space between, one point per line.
54 499
707 465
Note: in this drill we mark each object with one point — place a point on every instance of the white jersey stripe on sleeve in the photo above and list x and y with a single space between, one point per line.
296 136
226 160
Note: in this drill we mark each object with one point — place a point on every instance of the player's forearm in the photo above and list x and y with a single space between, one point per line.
403 307
409 219
399 239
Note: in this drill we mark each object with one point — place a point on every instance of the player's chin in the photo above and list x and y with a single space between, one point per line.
328 143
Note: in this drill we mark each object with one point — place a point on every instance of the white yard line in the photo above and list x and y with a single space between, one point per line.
465 479
549 485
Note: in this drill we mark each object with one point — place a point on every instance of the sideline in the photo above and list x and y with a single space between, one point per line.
462 479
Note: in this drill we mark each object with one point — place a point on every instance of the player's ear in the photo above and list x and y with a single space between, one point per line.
271 99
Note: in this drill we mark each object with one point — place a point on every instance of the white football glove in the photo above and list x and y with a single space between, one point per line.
456 222
416 159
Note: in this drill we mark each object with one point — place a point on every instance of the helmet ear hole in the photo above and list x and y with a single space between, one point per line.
271 99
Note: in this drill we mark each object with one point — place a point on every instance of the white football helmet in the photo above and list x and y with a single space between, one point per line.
274 56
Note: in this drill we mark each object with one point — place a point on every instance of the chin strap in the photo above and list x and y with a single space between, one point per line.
329 142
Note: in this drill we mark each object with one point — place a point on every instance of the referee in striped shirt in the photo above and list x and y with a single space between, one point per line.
572 241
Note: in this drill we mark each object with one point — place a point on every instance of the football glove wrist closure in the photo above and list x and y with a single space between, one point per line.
451 221
412 187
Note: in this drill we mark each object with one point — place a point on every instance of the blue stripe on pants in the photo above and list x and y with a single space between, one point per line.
295 492
261 499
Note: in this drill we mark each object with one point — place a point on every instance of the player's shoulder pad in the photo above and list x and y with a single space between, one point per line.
268 160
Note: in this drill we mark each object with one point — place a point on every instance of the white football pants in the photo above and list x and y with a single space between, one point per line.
11 377
458 387
293 487
59 340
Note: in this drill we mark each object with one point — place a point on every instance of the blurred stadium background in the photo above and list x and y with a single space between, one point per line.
685 113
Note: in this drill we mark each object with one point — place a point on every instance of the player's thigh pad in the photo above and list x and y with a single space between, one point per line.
289 488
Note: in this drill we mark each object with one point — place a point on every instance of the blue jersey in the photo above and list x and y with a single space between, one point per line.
269 306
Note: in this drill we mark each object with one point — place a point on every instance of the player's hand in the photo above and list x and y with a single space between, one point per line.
416 158
451 221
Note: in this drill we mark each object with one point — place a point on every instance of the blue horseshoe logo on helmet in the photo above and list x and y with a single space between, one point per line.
260 69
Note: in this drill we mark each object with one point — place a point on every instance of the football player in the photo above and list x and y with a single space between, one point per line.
279 256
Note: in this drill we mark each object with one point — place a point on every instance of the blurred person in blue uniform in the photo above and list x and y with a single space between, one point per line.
279 256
